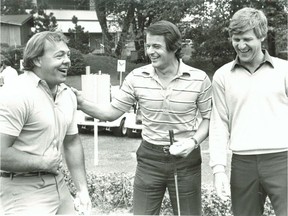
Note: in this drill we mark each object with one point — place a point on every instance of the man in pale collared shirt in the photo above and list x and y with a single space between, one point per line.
8 74
37 119
250 115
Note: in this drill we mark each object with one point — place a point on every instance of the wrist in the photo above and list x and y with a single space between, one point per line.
218 169
196 144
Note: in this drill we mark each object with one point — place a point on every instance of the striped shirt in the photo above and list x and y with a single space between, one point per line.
163 109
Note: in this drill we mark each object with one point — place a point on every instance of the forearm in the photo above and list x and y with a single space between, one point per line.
103 112
203 130
13 160
74 156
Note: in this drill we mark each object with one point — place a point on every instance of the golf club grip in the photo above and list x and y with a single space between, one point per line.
171 135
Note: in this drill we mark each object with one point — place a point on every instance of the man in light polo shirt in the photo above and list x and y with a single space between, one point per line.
8 73
170 95
37 119
250 114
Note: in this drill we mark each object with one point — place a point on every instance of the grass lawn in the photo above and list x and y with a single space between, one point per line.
118 154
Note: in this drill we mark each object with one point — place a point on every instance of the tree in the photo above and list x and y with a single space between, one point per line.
137 15
78 39
209 32
13 7
101 11
42 21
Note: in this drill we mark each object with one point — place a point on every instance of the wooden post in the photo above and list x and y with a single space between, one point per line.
87 70
121 67
96 151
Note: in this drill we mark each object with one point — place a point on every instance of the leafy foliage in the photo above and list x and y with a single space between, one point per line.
10 7
114 191
78 39
138 15
77 62
42 21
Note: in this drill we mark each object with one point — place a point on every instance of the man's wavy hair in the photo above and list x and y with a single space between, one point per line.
36 46
249 18
171 34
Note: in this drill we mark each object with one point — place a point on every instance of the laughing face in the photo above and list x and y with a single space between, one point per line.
248 48
55 63
157 51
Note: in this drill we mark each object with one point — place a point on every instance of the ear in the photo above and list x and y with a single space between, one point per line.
37 62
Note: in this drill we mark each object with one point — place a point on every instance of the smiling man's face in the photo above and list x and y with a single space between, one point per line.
157 51
247 47
54 63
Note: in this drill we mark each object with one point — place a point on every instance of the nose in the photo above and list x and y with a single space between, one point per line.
149 50
241 45
66 59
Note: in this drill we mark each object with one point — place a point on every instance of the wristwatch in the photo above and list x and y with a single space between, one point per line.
196 143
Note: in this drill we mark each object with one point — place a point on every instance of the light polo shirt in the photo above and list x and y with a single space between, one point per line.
250 110
9 74
29 113
162 109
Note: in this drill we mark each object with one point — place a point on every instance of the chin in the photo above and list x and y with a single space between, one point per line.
62 80
155 64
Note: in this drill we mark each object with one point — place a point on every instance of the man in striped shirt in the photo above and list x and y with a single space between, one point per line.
170 95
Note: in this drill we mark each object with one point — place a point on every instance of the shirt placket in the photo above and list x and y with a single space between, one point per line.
46 89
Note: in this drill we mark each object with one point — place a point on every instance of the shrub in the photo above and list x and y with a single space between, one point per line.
77 63
113 193
204 64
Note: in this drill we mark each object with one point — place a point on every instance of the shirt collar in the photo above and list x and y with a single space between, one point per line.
267 59
184 70
35 80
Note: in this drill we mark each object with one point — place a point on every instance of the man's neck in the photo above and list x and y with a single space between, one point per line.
167 74
169 71
252 66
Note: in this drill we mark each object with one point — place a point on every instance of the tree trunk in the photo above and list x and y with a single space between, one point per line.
100 9
139 37
127 21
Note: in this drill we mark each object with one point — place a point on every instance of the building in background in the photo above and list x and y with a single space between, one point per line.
16 29
89 21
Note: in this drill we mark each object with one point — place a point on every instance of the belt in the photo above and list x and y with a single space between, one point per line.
28 174
164 148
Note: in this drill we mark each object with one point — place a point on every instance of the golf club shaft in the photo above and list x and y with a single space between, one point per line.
171 135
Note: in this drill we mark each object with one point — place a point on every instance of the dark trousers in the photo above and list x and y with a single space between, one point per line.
155 173
253 178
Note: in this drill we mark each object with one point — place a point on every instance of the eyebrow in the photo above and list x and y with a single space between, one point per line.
62 52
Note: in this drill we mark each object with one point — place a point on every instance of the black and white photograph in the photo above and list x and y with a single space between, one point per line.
144 107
